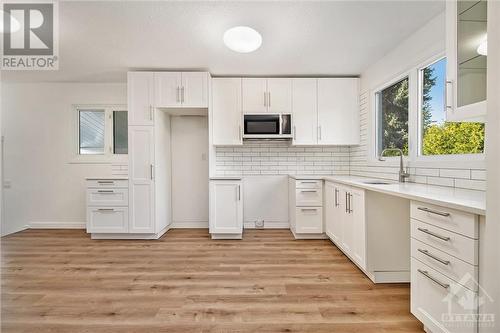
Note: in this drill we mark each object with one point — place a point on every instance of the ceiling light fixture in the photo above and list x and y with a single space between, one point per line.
242 39
482 49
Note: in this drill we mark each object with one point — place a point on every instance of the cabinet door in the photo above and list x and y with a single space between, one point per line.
226 209
279 95
167 89
347 242
309 220
305 111
194 89
466 68
226 111
357 207
254 95
141 179
107 219
140 87
338 111
333 213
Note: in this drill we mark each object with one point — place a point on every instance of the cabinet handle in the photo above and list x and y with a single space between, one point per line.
336 198
238 193
430 255
265 98
151 112
319 131
314 191
350 203
309 209
346 203
105 210
182 95
426 231
177 95
105 191
446 95
105 182
239 132
308 182
269 99
152 171
294 133
428 210
433 279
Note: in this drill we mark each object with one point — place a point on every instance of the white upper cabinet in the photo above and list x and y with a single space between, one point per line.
338 111
254 95
279 95
168 89
181 89
194 89
140 91
305 111
226 111
466 29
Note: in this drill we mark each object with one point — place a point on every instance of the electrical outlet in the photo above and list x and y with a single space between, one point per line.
7 183
259 224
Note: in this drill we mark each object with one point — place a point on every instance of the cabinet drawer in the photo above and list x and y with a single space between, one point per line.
450 219
444 263
309 197
432 301
100 183
107 197
107 219
305 183
309 220
454 244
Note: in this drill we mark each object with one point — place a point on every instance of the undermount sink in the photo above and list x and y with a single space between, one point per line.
376 182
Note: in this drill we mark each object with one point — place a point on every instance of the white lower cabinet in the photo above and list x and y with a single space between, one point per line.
306 208
107 206
444 268
226 209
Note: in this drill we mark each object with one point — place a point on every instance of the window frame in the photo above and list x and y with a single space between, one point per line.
414 158
108 156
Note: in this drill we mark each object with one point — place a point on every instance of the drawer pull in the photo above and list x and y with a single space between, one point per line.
308 182
428 210
105 182
309 209
310 191
426 231
433 279
105 209
430 255
105 191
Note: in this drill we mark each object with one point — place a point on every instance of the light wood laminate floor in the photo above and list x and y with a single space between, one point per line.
62 281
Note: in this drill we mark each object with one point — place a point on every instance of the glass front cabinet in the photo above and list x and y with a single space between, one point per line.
466 51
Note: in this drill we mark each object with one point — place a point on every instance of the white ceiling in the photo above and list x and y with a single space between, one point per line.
100 41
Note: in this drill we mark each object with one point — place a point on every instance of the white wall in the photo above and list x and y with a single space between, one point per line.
189 172
427 42
37 125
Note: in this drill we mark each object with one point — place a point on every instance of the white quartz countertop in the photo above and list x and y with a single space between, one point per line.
466 200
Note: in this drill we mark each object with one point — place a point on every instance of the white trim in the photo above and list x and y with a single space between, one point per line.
414 159
267 225
130 236
108 157
189 225
13 231
56 225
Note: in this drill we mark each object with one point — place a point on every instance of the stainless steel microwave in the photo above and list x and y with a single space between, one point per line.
267 126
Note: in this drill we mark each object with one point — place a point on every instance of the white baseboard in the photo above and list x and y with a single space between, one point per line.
129 236
14 230
189 225
57 225
268 225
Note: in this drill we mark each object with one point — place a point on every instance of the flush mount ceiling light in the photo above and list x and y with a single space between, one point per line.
242 39
482 49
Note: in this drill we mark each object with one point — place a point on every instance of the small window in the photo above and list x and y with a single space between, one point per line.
392 117
438 137
102 131
91 134
120 132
